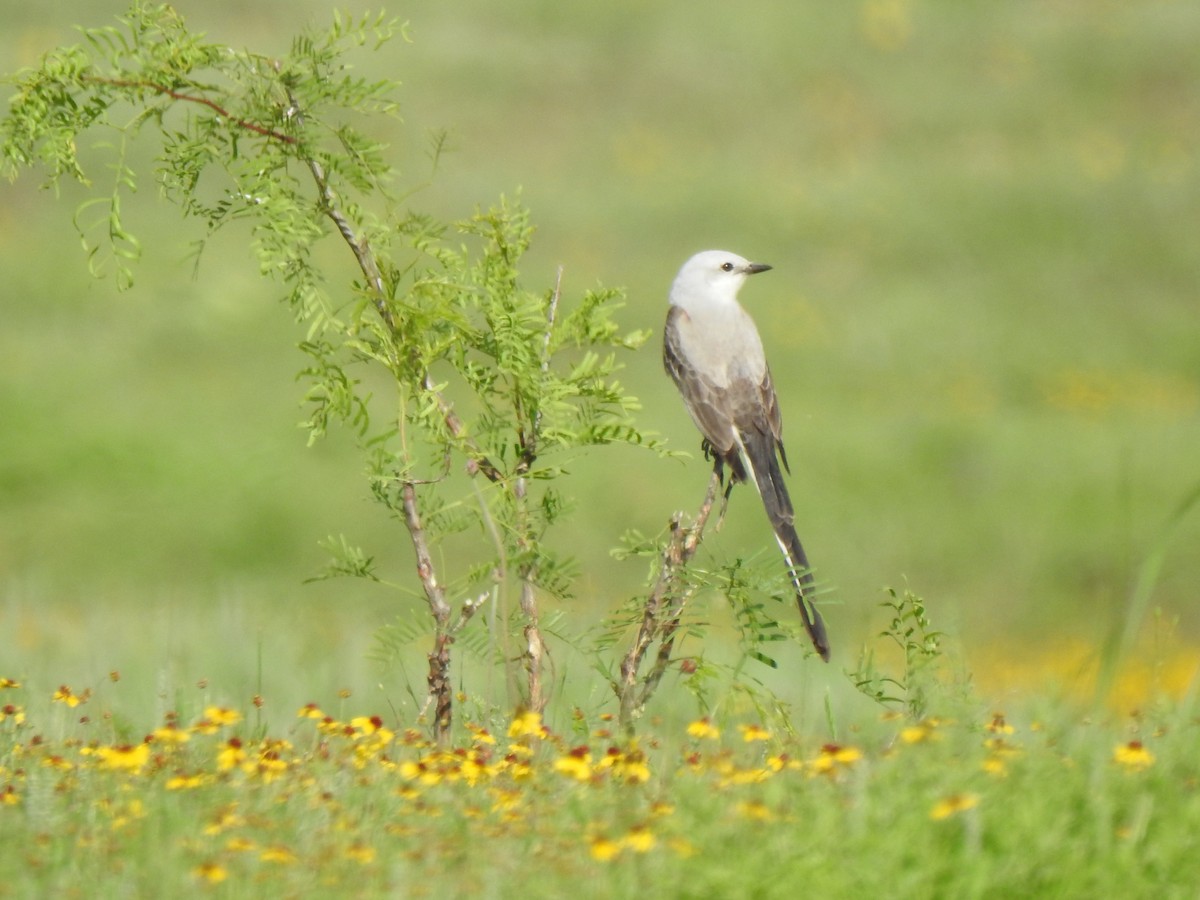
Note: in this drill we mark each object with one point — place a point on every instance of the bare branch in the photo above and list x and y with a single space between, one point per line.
663 611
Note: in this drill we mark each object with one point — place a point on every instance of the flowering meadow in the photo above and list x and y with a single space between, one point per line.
356 804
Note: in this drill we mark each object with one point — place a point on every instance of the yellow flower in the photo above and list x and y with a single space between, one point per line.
640 839
703 729
64 695
999 726
925 730
268 766
755 809
226 818
277 853
310 711
526 723
482 735
955 803
231 756
7 683
995 765
577 764
752 733
366 725
505 799
186 782
211 872
129 758
220 716
1134 756
10 711
9 796
171 734
604 849
832 758
631 766
361 853
239 844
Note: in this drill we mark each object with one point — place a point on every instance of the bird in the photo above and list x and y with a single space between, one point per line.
713 353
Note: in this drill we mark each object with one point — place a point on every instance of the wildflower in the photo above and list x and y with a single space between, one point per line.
783 761
310 711
920 733
269 765
996 765
227 817
577 764
505 799
604 849
231 756
420 771
755 809
8 684
366 724
361 853
239 844
220 716
277 853
1133 756
640 839
211 872
482 735
999 726
129 758
526 723
186 782
11 711
9 796
703 729
731 776
752 733
64 695
171 734
834 757
955 803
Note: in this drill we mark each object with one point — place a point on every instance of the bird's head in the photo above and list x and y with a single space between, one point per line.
715 275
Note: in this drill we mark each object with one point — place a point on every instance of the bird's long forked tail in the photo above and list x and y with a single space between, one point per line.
759 454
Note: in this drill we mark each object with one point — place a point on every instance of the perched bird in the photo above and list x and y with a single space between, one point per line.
712 351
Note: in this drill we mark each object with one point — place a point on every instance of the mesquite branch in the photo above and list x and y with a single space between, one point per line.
663 612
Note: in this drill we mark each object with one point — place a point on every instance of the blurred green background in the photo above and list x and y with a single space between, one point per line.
983 323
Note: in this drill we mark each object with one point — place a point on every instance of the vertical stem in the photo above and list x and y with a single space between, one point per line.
439 660
535 648
663 611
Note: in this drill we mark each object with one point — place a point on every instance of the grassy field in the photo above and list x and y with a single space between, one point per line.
982 326
340 803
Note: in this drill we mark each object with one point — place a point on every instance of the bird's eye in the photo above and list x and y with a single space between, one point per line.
727 267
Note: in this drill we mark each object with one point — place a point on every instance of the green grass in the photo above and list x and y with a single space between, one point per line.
1043 802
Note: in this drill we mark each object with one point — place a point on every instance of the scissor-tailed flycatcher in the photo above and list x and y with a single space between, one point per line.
714 354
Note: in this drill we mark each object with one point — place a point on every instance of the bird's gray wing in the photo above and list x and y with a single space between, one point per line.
707 404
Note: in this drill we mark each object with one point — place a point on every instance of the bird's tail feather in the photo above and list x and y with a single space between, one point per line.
759 456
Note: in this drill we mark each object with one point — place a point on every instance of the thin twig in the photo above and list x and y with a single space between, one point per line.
663 610
535 647
192 98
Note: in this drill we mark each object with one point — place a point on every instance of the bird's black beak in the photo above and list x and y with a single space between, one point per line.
755 268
